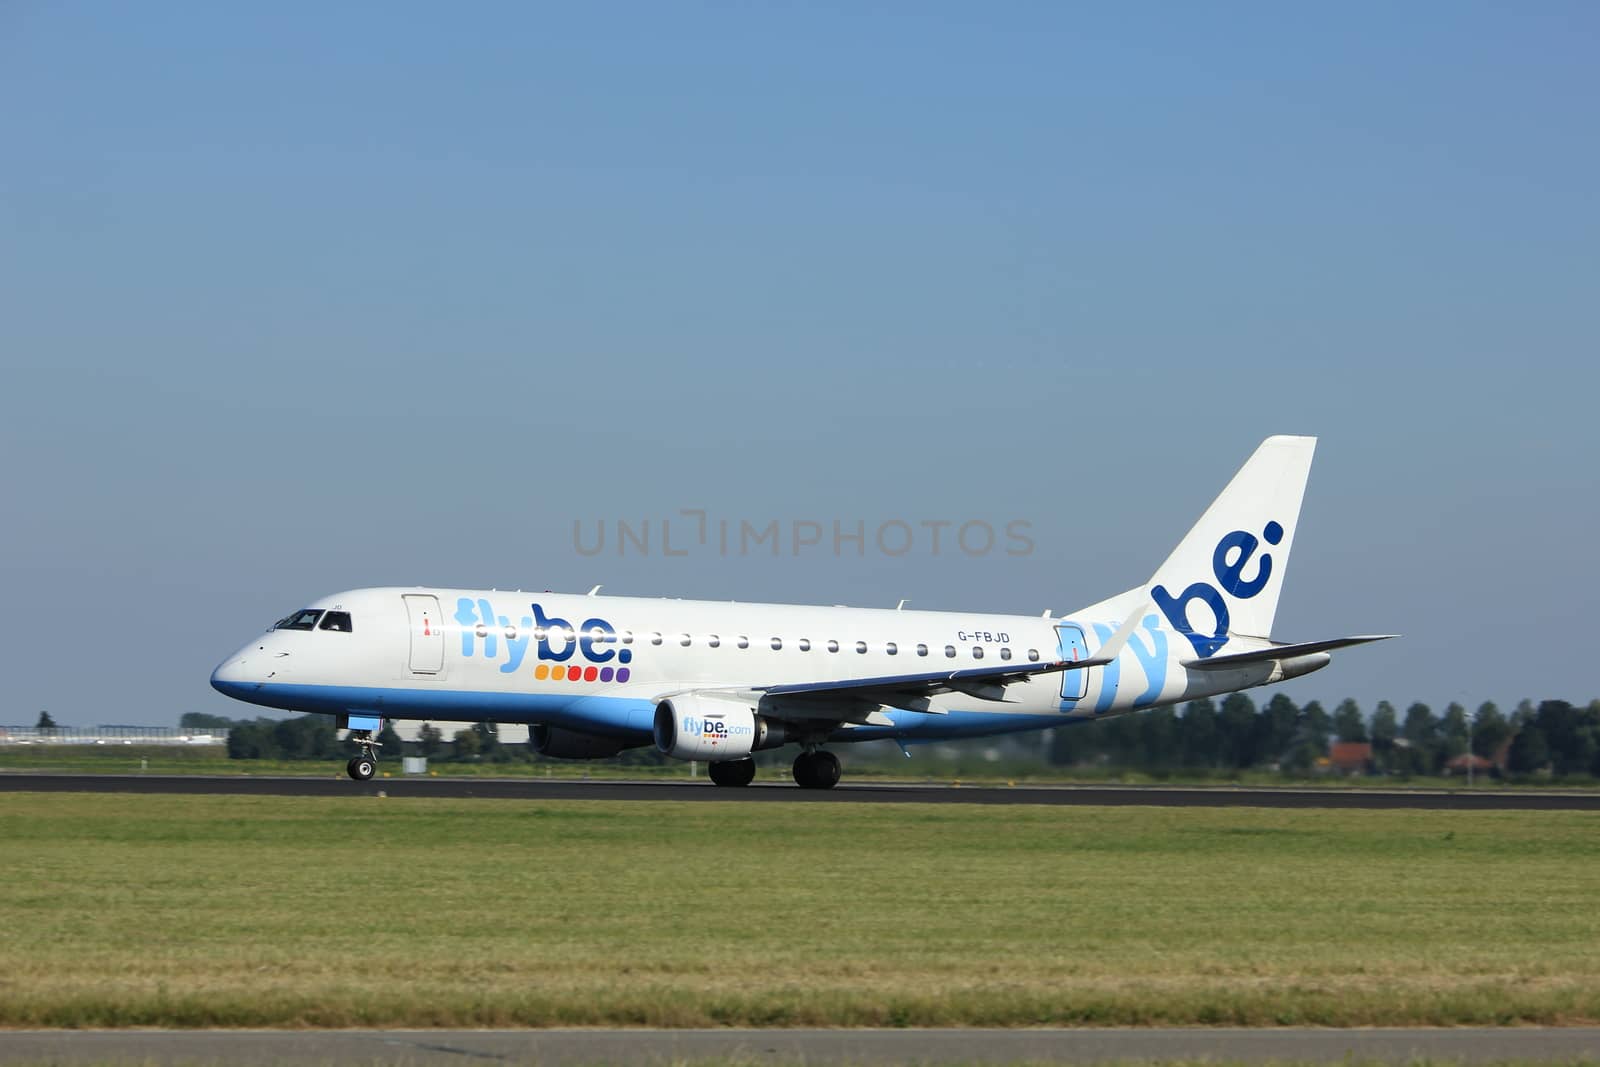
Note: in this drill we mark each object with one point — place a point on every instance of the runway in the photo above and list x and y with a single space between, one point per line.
578 789
425 1048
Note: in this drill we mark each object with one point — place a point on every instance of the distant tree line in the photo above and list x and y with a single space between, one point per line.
1552 737
480 743
313 737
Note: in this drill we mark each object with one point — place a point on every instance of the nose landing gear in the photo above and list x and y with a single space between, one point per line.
816 770
364 766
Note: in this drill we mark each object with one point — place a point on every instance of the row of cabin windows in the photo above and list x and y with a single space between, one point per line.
339 621
803 644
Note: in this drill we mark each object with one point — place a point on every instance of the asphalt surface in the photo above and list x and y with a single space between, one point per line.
577 789
431 1047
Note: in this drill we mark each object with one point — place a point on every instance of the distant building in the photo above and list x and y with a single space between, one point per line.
1479 765
1351 757
110 735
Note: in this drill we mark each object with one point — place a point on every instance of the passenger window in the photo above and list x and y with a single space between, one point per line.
338 621
300 620
833 646
684 640
1005 653
655 639
861 646
977 652
627 637
892 648
744 642
950 651
805 644
1033 655
777 643
922 650
713 640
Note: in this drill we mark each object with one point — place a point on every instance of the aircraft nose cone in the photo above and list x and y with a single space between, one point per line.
230 677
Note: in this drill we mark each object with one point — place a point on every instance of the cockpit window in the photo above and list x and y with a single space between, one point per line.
336 620
300 620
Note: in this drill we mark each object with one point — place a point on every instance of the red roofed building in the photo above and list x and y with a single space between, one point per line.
1480 765
1351 757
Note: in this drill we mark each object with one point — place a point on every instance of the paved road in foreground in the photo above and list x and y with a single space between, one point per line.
426 1048
577 789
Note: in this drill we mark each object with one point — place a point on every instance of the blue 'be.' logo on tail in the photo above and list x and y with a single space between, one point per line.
1230 576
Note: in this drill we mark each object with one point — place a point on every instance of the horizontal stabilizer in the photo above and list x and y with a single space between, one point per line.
1272 652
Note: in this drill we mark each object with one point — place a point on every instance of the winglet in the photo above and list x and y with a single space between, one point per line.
1112 647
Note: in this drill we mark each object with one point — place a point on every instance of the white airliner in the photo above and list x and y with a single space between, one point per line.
594 675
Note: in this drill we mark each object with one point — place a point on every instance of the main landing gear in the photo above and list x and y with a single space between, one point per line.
734 772
816 770
364 766
812 770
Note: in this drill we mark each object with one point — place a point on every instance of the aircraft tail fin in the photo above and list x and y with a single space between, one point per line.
1225 575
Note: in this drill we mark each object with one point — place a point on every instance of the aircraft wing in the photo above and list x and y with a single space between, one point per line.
860 699
933 682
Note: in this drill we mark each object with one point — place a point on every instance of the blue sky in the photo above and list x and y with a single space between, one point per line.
309 297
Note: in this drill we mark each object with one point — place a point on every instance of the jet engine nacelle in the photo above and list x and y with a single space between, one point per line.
569 744
695 727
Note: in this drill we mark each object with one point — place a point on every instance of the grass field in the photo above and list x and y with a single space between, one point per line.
233 911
